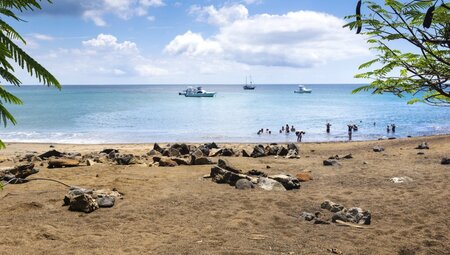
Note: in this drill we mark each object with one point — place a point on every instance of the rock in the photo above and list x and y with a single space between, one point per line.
339 216
445 161
282 151
75 191
73 155
108 151
348 156
420 153
21 171
173 152
183 149
320 221
181 161
331 162
354 215
204 149
258 151
154 153
62 162
202 161
308 216
90 162
257 173
167 162
197 153
225 164
227 152
83 203
292 154
403 179
51 153
156 158
101 159
244 184
212 145
106 201
304 177
287 181
220 175
270 184
423 146
271 150
332 207
245 153
214 152
293 146
158 148
378 149
125 159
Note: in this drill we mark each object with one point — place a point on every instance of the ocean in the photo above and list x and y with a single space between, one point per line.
156 113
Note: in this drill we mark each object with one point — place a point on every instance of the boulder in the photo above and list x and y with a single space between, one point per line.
51 153
173 152
332 207
212 145
197 153
125 159
292 154
220 175
423 146
304 177
156 147
287 181
293 146
19 171
90 162
330 162
256 173
106 201
202 161
83 203
157 158
154 153
308 216
167 162
271 150
245 153
282 151
354 215
214 152
445 161
183 149
108 151
378 149
270 184
348 156
75 191
258 151
62 162
227 152
181 161
244 184
225 164
204 149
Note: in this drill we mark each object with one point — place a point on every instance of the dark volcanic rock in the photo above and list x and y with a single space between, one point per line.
156 147
225 164
423 146
125 159
108 151
271 150
106 201
202 161
288 181
227 152
20 171
282 151
257 173
445 161
330 162
83 203
220 175
258 151
52 153
293 146
212 145
167 162
245 154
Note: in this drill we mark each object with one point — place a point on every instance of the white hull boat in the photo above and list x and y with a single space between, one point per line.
197 92
302 90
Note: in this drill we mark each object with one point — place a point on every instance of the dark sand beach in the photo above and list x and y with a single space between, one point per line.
176 211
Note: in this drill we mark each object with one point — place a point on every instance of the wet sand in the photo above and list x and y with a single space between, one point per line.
176 211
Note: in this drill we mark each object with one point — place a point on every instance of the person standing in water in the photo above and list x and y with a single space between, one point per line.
393 128
388 129
350 132
328 127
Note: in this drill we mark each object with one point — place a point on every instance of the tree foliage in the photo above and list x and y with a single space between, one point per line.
11 53
422 29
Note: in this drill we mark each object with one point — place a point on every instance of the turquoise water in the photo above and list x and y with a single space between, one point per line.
138 114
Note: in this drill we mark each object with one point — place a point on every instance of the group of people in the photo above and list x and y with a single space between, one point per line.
286 129
391 127
261 131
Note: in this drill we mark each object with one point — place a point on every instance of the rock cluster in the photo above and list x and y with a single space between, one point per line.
18 173
225 172
378 149
423 146
89 200
354 215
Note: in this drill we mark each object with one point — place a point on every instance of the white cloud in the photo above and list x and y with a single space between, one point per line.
108 42
296 39
151 18
43 37
124 9
222 16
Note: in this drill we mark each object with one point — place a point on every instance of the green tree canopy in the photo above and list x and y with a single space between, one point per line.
422 29
12 55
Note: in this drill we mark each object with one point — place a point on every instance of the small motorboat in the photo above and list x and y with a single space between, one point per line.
302 90
197 92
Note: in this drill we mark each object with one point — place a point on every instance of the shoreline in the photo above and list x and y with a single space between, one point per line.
228 142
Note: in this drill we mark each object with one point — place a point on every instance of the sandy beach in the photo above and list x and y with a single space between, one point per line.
174 210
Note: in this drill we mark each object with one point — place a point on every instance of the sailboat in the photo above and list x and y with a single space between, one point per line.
249 86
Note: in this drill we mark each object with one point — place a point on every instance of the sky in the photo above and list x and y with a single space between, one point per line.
194 41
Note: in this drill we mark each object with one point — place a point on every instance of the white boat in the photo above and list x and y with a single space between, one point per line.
249 86
302 90
197 92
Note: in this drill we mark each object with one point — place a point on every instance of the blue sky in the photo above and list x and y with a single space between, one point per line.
190 42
